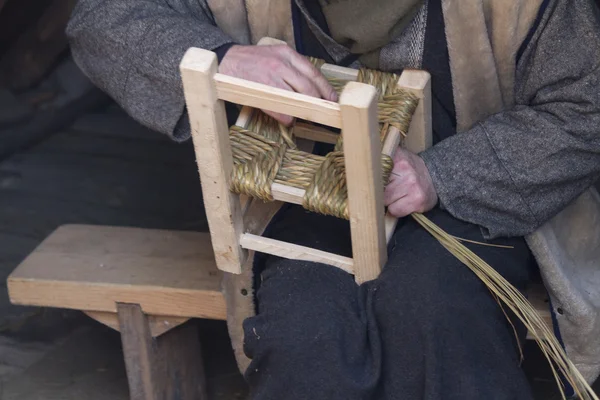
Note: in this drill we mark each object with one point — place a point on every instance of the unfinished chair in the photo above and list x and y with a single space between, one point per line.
258 159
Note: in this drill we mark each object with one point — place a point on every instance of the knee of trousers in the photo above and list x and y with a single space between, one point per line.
303 306
413 288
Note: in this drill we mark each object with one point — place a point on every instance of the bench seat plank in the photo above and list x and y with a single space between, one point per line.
169 273
91 268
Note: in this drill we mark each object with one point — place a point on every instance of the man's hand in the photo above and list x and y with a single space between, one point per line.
279 66
410 188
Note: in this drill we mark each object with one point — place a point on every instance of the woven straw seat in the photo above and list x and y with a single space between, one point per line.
265 152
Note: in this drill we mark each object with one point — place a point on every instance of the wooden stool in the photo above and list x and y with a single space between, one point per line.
356 114
145 284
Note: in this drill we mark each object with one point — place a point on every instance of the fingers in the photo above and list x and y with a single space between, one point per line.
305 67
394 191
400 208
283 118
299 75
278 66
405 196
398 197
300 83
407 192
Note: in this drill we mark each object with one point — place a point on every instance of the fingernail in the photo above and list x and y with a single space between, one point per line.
333 96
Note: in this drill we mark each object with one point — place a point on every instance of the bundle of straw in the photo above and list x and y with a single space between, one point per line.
509 295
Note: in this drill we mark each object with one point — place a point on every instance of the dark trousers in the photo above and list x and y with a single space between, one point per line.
427 328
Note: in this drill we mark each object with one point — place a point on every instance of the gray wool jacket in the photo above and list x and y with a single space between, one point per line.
524 171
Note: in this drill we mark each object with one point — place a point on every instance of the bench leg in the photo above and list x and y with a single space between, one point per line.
165 368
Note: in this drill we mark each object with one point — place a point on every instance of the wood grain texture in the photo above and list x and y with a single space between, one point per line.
295 252
91 268
288 194
138 352
158 324
245 117
362 152
391 142
166 368
315 133
419 137
210 135
247 93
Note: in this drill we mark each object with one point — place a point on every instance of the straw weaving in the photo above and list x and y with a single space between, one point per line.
266 153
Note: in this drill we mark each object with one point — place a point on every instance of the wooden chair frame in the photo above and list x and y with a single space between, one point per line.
206 90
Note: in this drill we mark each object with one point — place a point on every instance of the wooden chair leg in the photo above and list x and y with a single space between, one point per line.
169 367
362 154
210 135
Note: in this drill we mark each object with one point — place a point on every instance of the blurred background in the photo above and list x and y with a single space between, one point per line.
69 154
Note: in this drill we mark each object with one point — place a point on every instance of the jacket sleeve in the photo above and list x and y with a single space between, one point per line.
515 170
132 49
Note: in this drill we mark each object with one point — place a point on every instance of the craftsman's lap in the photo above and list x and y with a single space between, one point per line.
426 328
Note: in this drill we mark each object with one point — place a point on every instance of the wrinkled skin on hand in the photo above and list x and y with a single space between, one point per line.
410 188
278 66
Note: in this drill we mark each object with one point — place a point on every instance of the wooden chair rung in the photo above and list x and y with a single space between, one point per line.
295 252
247 93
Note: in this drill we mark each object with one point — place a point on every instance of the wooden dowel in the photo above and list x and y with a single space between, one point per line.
265 97
245 117
295 252
391 142
316 133
419 137
390 146
288 194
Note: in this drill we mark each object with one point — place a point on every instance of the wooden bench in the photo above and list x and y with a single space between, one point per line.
144 283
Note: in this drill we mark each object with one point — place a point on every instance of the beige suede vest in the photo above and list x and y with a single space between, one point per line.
247 21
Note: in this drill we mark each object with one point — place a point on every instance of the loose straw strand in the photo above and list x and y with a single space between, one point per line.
520 306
